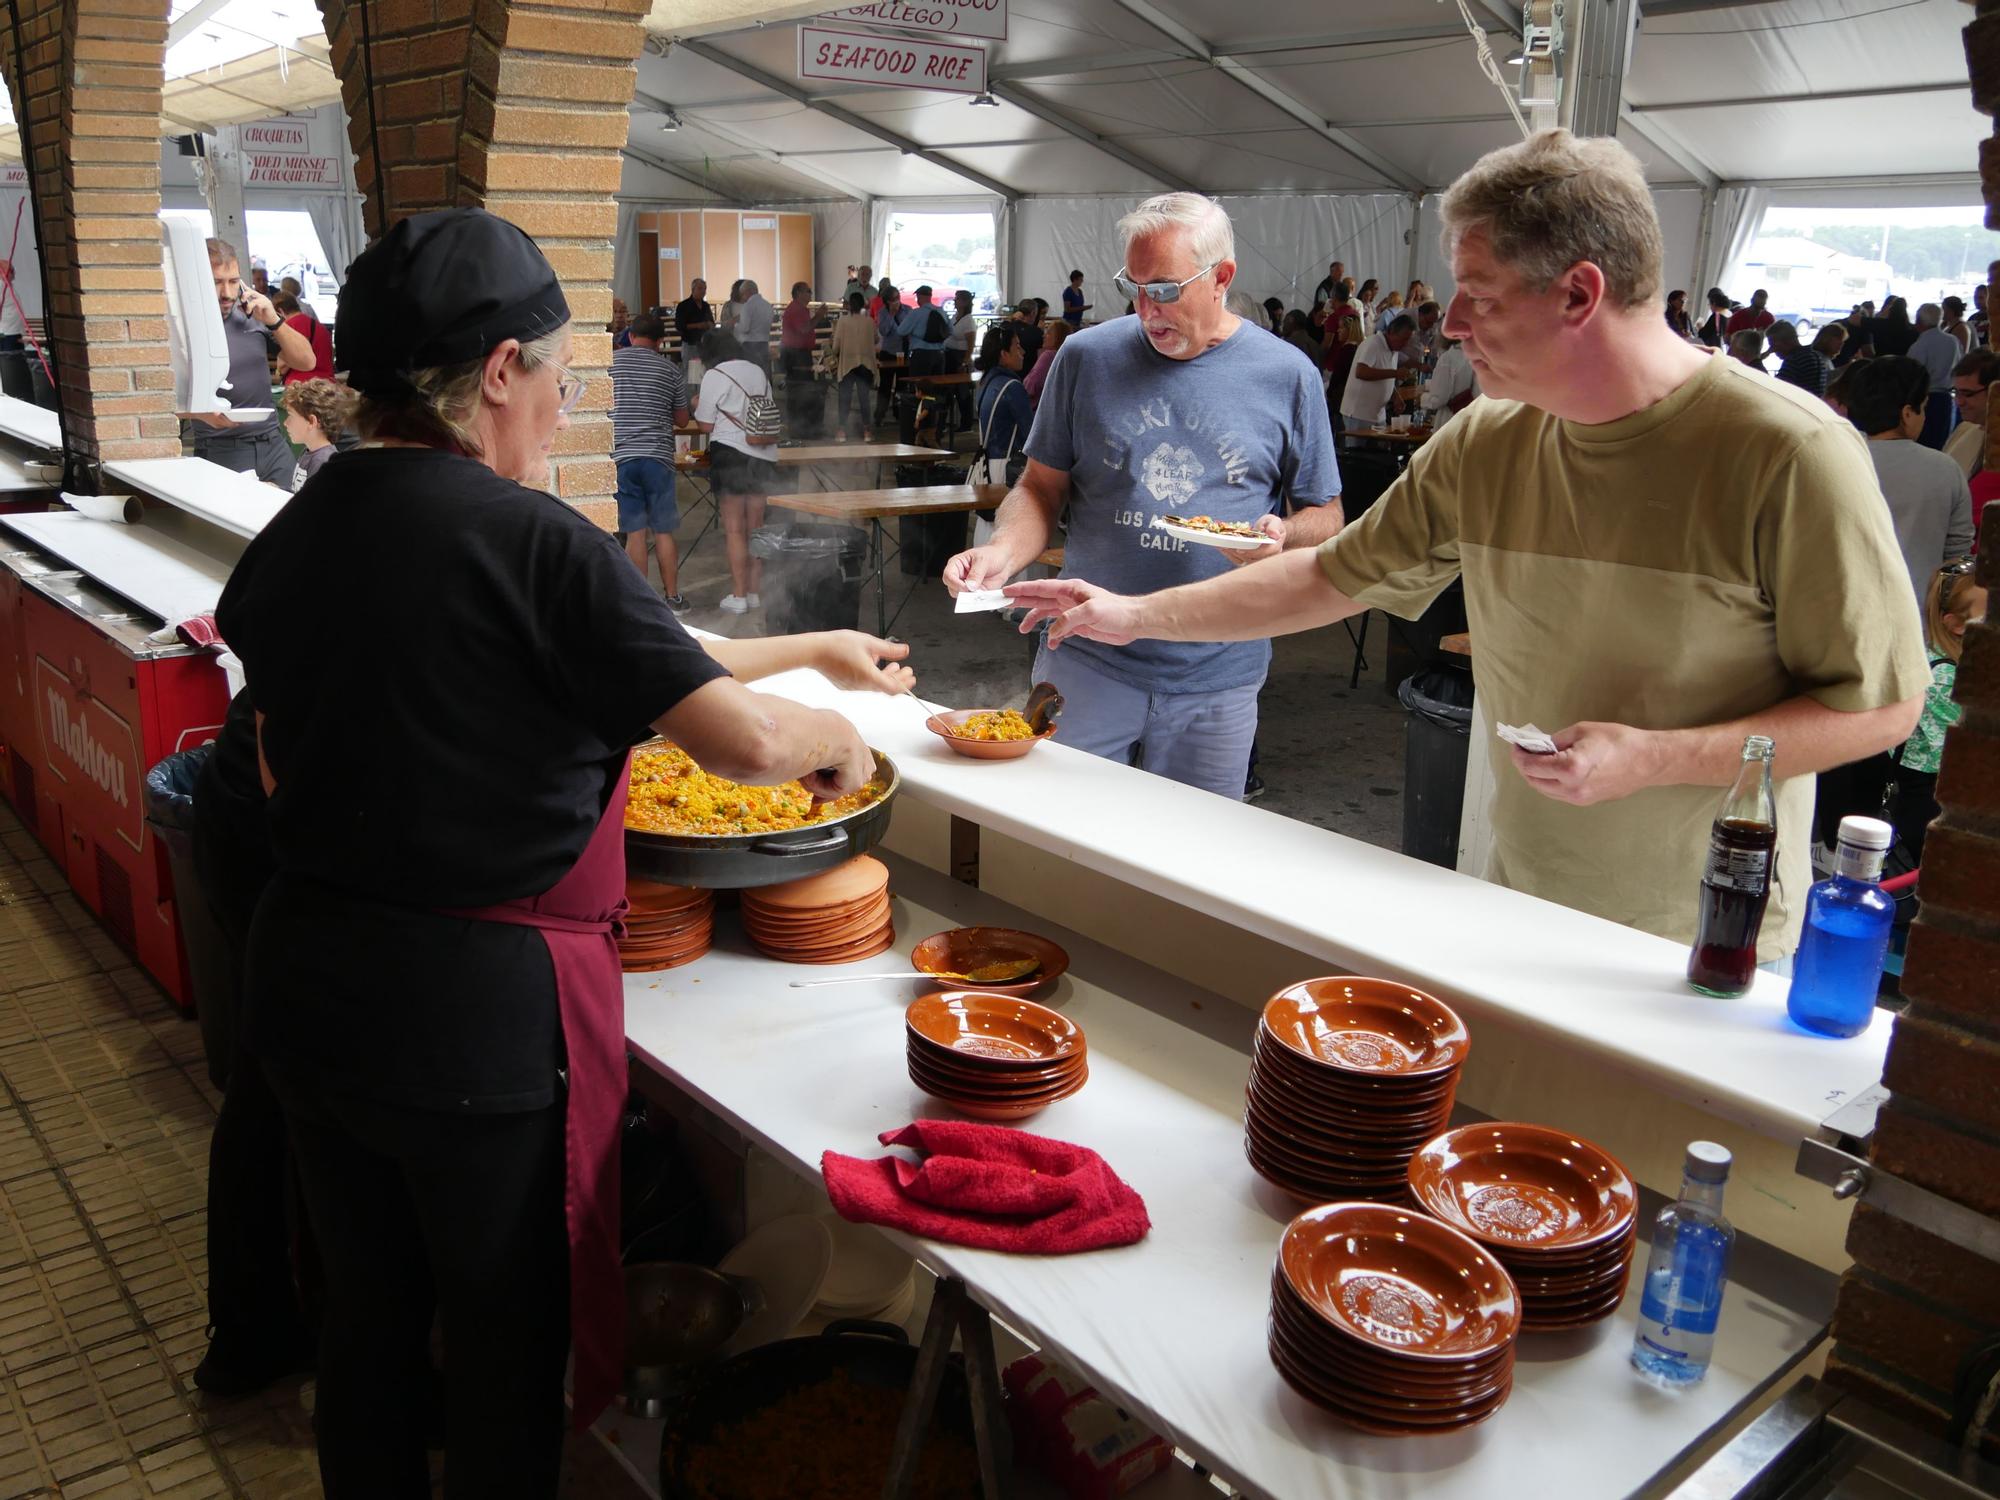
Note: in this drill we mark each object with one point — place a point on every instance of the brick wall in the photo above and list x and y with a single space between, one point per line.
518 108
89 101
1913 1306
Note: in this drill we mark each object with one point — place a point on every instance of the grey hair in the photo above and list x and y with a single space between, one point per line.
1211 238
443 399
1929 315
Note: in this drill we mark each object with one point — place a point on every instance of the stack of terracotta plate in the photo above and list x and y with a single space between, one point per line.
667 926
1348 1077
994 1057
1559 1213
834 917
1394 1322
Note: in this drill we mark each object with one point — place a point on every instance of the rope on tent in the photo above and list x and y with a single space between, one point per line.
1492 69
27 332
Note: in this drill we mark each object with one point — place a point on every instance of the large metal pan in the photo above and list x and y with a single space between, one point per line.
741 861
875 1355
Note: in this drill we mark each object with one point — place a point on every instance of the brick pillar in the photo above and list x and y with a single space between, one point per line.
89 106
518 108
1913 1306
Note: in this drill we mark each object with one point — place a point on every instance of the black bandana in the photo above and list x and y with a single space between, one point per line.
441 289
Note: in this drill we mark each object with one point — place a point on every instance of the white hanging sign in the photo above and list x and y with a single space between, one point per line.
287 169
916 63
980 18
749 223
276 135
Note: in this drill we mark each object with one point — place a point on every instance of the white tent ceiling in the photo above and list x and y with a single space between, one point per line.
1098 97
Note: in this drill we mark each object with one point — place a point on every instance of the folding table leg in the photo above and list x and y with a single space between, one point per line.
983 1368
921 1402
877 546
1360 640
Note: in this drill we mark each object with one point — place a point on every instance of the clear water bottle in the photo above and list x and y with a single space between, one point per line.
1686 1273
1838 970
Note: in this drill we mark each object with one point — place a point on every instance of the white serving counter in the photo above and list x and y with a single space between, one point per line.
36 426
1173 1327
1599 992
241 504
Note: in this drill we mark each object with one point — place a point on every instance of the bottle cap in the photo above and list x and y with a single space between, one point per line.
1707 1162
1757 747
1866 833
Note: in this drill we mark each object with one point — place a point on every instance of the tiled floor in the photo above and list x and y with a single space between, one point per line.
105 1112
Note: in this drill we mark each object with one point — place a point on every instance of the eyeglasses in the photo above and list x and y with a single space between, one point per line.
1960 393
1157 291
569 388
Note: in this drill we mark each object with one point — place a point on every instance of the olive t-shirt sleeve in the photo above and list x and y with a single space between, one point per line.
611 638
1847 625
1404 551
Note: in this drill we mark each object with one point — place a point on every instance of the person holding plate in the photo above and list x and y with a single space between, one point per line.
1184 410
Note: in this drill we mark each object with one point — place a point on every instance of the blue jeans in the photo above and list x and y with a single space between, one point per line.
646 496
854 388
1200 739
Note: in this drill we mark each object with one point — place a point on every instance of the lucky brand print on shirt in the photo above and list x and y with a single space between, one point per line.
1238 433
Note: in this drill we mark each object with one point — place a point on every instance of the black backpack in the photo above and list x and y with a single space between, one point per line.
936 329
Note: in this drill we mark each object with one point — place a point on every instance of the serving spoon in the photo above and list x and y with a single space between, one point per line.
1007 971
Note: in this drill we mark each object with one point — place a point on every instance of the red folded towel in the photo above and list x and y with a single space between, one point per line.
201 630
988 1187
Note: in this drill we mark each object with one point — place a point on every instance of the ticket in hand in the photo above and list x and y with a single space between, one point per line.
1528 738
974 600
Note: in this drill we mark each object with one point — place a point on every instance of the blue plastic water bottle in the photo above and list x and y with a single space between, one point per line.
1686 1273
1838 970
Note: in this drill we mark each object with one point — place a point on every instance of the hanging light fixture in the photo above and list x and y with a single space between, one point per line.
672 120
983 101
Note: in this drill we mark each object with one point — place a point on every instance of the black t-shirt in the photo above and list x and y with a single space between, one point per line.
451 667
1032 337
693 318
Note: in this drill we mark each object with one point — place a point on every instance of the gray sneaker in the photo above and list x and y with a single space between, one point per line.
678 603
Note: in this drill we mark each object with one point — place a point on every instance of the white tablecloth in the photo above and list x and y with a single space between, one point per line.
1174 1326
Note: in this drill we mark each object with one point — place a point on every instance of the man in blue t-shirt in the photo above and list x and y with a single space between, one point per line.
1184 410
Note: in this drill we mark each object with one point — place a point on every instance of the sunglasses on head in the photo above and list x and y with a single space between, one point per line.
1157 291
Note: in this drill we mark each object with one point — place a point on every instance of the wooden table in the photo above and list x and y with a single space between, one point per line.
1412 437
877 506
799 455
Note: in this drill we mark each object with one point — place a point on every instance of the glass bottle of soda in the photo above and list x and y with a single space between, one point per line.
1736 885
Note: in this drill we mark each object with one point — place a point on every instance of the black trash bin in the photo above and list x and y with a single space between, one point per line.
171 812
924 544
1436 742
812 575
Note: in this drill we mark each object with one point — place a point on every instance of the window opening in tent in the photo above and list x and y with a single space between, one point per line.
285 243
948 252
1818 262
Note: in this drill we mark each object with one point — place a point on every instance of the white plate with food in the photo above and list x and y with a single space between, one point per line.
1206 531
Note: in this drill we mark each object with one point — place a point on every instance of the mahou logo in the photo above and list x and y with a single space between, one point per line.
83 741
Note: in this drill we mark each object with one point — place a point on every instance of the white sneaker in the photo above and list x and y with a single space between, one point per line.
753 601
735 604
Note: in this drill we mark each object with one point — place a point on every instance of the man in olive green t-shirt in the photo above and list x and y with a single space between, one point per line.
1663 551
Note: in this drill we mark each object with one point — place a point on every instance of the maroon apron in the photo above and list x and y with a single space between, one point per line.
576 917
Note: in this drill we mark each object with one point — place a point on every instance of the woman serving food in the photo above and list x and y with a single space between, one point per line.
432 980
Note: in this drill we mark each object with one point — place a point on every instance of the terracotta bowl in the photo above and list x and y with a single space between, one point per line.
959 950
974 1072
942 725
949 1086
1399 1282
1524 1188
1369 1028
998 1030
